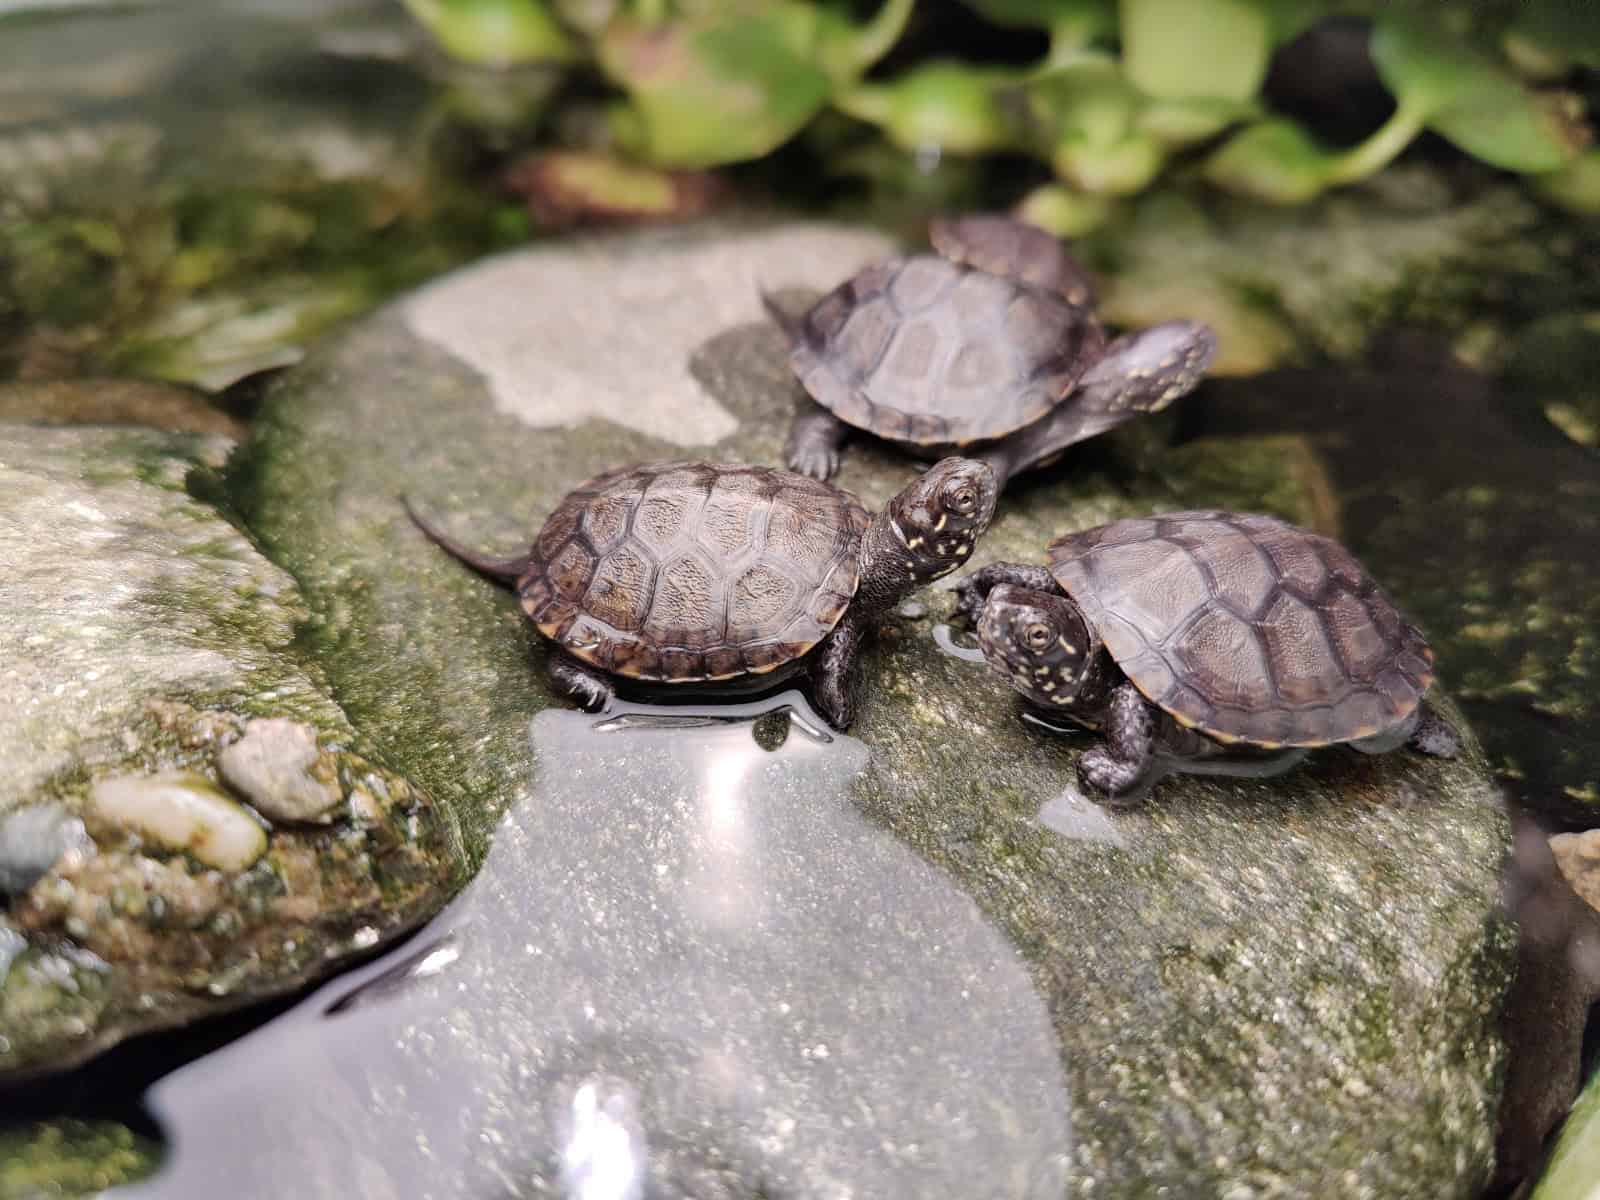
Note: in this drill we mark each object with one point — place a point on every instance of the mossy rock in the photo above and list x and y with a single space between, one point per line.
143 633
1286 985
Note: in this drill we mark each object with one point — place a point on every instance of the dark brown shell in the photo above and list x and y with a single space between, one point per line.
1246 627
928 351
686 572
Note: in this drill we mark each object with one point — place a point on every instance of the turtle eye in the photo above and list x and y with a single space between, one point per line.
964 500
1037 636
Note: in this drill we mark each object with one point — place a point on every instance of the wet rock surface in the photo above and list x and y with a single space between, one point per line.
737 984
1254 986
142 632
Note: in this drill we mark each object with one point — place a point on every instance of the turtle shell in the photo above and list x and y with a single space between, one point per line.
931 352
687 571
1246 627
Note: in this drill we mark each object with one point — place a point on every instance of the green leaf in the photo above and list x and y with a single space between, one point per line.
1094 18
845 50
1091 101
1288 19
1576 187
1275 161
1568 29
712 92
1575 1163
1468 98
1536 132
948 106
1176 123
495 33
1179 48
1062 211
1110 168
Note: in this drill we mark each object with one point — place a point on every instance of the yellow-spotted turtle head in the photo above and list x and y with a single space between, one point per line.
1039 642
940 517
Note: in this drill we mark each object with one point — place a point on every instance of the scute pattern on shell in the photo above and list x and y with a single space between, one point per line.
1246 627
687 572
927 351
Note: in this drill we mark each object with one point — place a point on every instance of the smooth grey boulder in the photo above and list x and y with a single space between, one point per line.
1255 987
142 630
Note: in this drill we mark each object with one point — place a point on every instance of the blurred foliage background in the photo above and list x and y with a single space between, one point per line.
1107 96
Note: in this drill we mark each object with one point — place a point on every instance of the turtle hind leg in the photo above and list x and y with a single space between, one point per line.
1433 735
1140 373
814 439
578 682
833 672
1146 371
1119 763
1425 731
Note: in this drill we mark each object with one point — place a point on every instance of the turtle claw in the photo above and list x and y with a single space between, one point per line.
969 600
578 683
815 461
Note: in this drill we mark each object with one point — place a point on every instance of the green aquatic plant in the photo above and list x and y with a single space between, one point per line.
496 33
1440 83
736 81
1126 91
942 106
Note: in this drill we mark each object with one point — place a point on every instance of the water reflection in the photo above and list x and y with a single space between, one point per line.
689 967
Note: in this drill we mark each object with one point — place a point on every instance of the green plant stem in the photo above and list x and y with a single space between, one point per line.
878 36
1379 150
867 102
1069 38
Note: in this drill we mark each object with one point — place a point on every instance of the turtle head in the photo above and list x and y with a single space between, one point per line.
1039 642
939 517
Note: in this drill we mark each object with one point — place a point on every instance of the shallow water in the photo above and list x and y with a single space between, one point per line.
690 966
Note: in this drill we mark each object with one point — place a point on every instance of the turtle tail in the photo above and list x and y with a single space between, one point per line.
501 570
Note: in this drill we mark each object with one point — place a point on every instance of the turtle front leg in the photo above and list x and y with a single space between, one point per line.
1139 373
833 672
972 591
814 439
1117 765
578 681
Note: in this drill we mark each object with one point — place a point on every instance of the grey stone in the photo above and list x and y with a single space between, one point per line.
277 767
1281 986
32 840
142 630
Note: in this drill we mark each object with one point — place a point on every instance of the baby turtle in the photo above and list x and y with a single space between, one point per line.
694 573
1191 632
989 346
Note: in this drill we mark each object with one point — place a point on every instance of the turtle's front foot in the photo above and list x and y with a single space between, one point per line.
833 673
819 462
579 683
973 591
1119 764
1111 777
1434 735
970 597
813 444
